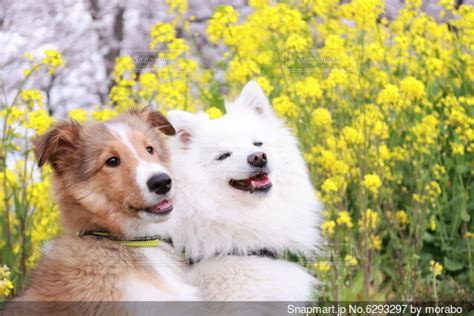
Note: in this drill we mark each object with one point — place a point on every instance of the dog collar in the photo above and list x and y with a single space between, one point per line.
145 241
264 252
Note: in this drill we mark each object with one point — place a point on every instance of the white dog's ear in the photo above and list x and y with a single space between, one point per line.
252 97
185 124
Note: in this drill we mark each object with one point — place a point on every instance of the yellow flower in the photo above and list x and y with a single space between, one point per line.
352 135
5 287
371 120
124 69
265 85
120 95
296 42
436 268
350 260
438 171
14 114
241 71
214 112
328 227
308 90
52 60
4 272
321 117
31 97
322 266
433 224
10 176
161 33
344 218
374 242
390 94
104 115
258 4
433 189
219 24
426 133
79 115
372 183
40 121
28 56
375 51
329 185
369 220
148 85
412 88
285 107
5 284
178 6
402 217
458 149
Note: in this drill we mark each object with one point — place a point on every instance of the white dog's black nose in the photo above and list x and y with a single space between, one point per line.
159 183
258 159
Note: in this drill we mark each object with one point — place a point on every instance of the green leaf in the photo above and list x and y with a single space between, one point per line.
428 237
464 215
452 265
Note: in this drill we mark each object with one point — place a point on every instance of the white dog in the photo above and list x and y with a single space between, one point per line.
246 197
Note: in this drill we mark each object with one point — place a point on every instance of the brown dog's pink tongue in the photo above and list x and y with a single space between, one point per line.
163 205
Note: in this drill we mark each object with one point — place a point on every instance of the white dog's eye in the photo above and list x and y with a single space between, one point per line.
223 156
258 144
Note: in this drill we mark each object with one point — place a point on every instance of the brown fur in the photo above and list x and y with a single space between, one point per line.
93 196
90 196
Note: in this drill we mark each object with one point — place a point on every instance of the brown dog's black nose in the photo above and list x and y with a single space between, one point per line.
159 183
258 159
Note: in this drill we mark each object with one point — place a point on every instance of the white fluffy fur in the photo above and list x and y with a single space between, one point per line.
213 217
164 261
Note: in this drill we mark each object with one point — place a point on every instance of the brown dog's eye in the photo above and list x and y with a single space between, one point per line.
113 162
150 150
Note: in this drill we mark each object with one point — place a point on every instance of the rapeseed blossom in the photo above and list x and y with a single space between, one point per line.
322 266
372 182
350 260
401 217
52 60
382 111
79 115
214 112
329 227
344 218
436 268
6 285
285 107
321 117
40 121
369 220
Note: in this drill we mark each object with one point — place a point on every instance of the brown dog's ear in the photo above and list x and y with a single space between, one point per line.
158 120
155 119
56 143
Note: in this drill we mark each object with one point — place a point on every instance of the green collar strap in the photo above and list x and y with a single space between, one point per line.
145 241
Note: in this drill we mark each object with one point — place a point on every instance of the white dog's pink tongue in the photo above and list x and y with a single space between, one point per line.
259 181
162 206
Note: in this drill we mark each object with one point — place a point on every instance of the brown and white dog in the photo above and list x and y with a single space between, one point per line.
113 189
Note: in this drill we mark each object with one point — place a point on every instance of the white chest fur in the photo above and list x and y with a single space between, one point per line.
167 285
235 278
